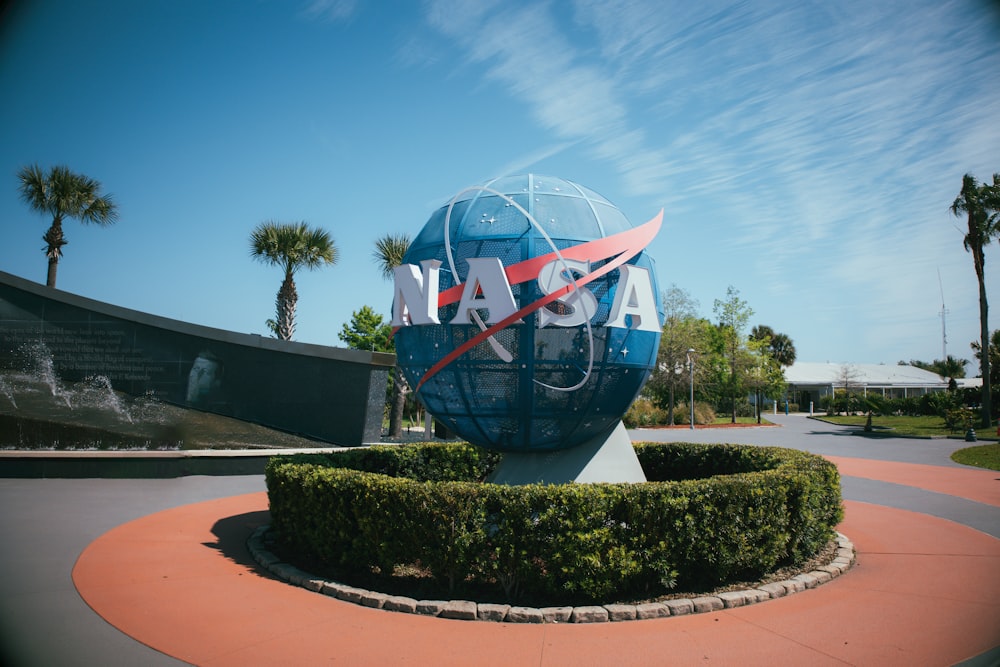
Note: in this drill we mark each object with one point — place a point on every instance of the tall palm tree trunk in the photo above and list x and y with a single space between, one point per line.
54 241
389 252
285 305
50 276
984 333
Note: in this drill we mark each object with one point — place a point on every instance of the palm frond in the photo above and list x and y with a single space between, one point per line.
63 193
389 252
292 245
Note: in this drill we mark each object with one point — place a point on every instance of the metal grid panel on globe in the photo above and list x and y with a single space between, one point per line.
486 399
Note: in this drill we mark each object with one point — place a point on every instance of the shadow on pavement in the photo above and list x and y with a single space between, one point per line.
232 533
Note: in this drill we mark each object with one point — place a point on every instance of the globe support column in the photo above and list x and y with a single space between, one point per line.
609 458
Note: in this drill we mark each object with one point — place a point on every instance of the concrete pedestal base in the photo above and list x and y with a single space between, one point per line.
606 458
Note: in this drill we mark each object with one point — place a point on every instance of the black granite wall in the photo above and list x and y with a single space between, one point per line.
331 394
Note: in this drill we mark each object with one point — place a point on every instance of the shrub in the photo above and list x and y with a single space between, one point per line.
427 462
937 403
959 419
709 514
643 412
742 405
703 413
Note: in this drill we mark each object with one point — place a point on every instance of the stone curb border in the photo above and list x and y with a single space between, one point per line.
844 559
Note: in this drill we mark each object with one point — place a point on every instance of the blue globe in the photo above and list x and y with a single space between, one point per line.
555 374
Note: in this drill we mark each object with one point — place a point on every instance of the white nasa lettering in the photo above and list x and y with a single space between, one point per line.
412 290
486 286
634 297
581 302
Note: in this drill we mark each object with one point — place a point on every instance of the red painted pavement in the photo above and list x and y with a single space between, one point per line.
925 592
982 486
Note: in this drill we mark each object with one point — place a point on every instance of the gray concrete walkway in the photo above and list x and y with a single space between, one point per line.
798 431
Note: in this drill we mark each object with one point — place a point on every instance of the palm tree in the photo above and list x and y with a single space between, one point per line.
951 368
779 345
994 352
783 349
388 254
63 194
981 205
291 246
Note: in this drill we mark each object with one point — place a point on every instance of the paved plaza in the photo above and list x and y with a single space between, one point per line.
156 572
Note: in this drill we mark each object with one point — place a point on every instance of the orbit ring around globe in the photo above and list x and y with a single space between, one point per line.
521 379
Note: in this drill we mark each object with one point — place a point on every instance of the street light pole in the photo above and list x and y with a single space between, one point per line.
691 370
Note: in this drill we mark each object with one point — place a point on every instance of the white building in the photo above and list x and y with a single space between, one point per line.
808 381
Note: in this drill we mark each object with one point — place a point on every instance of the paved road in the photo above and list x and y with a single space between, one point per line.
45 525
801 432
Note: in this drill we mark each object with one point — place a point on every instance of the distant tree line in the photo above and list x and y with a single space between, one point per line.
724 363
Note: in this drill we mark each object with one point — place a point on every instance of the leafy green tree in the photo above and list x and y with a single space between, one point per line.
765 376
680 334
733 314
291 246
368 331
980 203
63 194
388 254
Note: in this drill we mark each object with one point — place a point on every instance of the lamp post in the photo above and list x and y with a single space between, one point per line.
691 370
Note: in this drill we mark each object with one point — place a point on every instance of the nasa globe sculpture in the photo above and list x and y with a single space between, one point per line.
528 319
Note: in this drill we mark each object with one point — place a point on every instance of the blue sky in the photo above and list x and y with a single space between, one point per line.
805 153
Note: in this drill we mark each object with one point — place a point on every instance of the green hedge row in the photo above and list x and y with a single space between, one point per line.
424 462
711 514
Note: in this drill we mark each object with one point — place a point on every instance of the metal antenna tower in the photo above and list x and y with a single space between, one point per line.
944 311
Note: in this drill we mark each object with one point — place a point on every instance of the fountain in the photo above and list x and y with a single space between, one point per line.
6 391
41 411
120 378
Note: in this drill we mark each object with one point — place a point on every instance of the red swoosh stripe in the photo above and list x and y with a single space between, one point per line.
626 245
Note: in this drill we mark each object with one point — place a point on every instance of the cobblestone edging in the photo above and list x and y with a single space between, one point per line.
843 560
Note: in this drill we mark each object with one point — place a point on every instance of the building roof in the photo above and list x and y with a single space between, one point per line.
871 375
969 383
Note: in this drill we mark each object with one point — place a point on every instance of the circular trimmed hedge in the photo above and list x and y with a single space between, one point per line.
709 514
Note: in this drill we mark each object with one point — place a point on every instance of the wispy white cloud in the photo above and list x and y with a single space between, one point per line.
525 162
330 10
826 140
524 49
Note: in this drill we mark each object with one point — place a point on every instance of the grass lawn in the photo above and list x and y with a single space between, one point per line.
983 456
906 426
